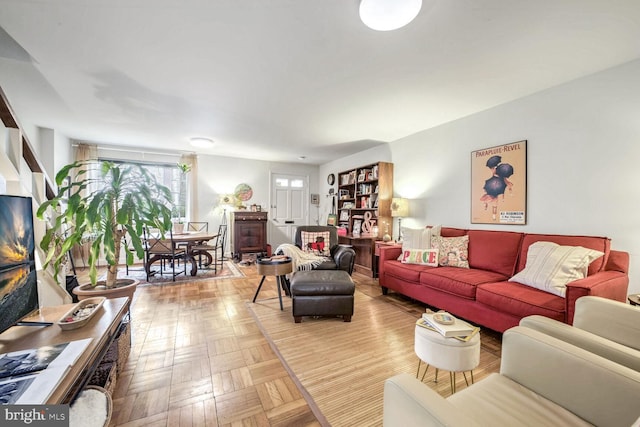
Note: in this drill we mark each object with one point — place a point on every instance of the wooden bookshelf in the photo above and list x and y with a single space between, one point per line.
364 202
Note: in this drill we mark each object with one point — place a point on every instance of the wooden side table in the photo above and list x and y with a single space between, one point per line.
634 299
376 260
275 266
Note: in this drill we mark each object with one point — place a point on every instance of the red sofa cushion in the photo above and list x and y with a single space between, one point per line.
407 272
602 244
494 250
520 300
458 281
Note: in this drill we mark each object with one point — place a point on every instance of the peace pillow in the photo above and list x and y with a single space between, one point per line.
417 238
550 266
420 256
316 242
453 251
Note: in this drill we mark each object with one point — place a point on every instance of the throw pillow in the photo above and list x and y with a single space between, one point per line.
550 266
417 238
435 231
453 251
316 242
420 256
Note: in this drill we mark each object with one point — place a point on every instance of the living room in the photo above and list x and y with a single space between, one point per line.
582 145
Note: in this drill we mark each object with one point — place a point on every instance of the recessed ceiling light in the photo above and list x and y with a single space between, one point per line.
302 157
201 142
387 15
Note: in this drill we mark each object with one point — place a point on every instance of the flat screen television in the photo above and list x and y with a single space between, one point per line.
18 281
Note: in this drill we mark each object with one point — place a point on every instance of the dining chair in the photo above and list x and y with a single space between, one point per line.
164 250
198 226
132 249
220 244
214 247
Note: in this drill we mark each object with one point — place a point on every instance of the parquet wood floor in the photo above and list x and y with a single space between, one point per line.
199 359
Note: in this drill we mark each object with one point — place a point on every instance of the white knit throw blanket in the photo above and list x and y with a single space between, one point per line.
300 259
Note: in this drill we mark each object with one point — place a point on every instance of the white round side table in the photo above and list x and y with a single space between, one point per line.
448 354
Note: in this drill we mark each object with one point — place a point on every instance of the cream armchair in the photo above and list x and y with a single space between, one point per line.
602 326
543 381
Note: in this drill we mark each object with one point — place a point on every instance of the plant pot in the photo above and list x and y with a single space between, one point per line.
124 288
178 227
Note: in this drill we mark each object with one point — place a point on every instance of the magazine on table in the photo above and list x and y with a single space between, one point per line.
30 376
458 328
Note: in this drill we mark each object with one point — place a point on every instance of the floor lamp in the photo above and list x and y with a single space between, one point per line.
226 201
399 209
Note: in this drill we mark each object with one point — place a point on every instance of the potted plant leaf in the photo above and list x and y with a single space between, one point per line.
105 203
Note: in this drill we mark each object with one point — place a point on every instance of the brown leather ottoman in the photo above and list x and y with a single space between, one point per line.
322 293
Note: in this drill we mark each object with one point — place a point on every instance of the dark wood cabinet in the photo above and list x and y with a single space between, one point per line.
364 247
249 233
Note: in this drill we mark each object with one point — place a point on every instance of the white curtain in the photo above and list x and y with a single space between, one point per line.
192 185
85 152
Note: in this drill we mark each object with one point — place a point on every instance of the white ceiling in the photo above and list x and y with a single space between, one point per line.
279 79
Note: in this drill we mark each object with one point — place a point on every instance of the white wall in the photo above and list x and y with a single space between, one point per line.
219 175
583 161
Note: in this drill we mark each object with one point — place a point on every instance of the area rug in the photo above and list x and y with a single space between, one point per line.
228 271
339 364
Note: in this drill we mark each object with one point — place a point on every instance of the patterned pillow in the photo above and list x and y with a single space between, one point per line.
453 251
316 242
550 266
420 256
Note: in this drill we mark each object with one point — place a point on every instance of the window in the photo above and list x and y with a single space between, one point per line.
170 176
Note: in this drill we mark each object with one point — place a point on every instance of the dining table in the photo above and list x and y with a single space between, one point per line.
188 239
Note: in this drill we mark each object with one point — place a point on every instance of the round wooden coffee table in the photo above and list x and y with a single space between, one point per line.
278 266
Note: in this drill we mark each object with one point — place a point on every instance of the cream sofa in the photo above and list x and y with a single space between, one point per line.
543 381
608 328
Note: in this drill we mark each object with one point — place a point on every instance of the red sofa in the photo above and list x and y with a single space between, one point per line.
482 294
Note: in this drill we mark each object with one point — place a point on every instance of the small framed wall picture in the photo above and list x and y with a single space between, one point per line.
315 199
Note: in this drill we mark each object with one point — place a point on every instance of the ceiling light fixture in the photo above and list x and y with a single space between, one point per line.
387 15
201 142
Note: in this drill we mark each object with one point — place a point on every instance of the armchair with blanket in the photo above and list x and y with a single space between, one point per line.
314 241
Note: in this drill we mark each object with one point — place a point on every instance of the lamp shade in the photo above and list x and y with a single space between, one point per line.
227 200
387 15
399 207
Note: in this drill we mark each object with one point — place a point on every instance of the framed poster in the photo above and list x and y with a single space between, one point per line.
499 184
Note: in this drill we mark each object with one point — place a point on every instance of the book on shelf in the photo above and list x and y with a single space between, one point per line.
458 328
30 376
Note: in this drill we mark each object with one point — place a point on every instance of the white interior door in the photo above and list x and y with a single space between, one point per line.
289 207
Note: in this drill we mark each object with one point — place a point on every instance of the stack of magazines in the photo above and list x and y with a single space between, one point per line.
458 329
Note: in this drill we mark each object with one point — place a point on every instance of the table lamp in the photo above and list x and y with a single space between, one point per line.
399 209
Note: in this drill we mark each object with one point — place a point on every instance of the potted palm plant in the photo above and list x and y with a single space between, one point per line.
115 201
